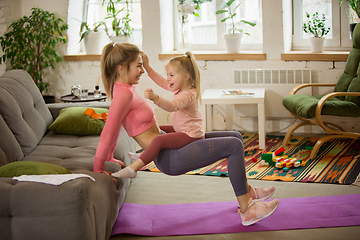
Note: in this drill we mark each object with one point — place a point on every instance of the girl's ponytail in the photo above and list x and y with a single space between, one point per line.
195 78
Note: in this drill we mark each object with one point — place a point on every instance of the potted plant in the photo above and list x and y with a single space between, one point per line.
355 6
95 37
234 35
316 27
185 9
30 42
120 20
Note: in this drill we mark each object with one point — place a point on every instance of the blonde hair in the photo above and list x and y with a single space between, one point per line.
113 55
187 64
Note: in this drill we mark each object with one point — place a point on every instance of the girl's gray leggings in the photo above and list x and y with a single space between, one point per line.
201 153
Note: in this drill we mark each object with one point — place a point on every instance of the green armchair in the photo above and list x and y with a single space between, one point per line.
343 101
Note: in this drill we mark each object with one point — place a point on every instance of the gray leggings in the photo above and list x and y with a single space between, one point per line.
201 153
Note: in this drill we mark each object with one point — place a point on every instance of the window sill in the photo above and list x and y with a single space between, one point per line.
218 55
199 55
330 56
81 57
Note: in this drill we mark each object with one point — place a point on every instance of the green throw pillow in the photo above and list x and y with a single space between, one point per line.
16 169
74 121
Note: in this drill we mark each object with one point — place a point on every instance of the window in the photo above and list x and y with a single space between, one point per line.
207 29
336 18
95 12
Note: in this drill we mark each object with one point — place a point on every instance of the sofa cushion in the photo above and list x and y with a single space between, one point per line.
16 169
354 87
24 112
74 121
343 84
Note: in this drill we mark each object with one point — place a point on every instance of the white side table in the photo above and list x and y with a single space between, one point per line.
216 96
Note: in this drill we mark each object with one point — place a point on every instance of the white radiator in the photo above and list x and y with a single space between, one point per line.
272 76
277 83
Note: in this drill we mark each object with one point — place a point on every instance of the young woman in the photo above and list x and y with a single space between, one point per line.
121 69
183 78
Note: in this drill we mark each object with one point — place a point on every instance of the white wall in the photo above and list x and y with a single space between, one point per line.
215 74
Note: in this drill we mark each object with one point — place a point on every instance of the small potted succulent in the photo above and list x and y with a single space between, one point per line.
30 43
234 35
316 27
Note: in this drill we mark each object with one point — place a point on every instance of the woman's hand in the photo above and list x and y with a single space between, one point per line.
114 179
121 163
149 94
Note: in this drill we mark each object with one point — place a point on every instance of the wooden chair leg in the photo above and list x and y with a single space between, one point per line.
292 129
334 125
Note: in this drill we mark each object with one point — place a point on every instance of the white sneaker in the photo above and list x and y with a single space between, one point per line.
257 210
261 193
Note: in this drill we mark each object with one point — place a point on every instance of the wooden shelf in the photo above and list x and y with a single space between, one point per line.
329 56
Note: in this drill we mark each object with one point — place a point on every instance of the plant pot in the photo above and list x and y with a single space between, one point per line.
233 42
95 42
49 98
119 39
317 44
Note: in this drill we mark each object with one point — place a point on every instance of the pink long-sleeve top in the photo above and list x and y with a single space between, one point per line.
129 110
185 114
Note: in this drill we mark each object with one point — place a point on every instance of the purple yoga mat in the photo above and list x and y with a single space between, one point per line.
222 217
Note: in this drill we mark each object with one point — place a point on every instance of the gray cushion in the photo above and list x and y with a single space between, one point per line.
24 112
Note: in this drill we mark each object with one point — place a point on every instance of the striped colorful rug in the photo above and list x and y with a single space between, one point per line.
337 161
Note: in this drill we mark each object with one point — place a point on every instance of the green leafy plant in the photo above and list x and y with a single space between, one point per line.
315 25
85 29
231 12
120 25
30 42
355 6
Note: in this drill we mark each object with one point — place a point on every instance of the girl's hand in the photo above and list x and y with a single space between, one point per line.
149 94
146 64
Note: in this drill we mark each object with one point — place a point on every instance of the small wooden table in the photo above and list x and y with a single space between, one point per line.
71 98
211 97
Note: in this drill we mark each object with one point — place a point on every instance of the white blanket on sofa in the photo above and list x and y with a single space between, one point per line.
54 179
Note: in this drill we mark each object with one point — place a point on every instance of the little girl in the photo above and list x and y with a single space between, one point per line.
183 78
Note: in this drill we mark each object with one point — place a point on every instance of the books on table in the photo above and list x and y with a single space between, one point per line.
238 93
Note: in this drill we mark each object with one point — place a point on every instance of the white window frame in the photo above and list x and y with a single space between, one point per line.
220 29
340 28
135 26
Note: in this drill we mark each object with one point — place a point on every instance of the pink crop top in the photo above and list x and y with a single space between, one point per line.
129 110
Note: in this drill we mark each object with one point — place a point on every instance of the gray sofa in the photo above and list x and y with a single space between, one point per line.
77 209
